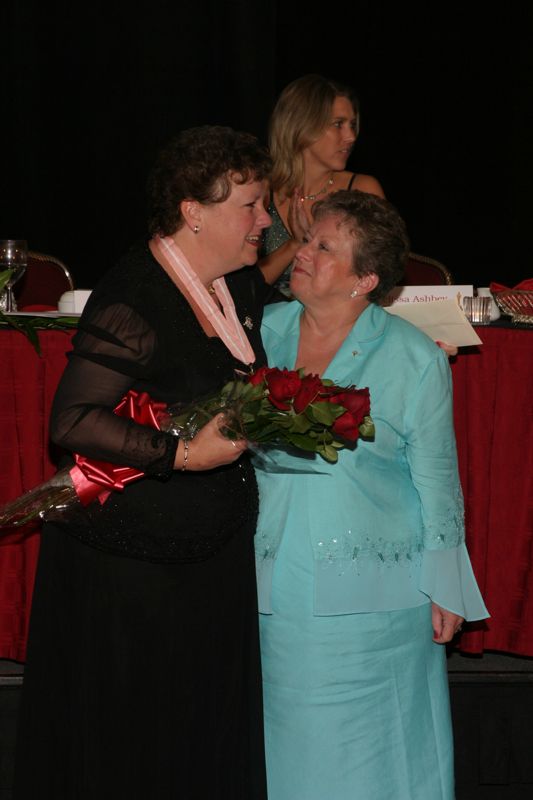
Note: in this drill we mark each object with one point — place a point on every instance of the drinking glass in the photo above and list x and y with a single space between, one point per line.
484 291
13 256
477 310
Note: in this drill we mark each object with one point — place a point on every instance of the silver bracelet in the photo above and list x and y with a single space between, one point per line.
185 454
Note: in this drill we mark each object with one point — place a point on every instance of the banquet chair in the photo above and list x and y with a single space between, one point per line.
425 271
43 283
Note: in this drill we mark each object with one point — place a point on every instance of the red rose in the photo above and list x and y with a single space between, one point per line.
346 426
327 392
283 385
259 376
310 388
357 405
357 401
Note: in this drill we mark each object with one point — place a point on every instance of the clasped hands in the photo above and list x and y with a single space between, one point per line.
297 219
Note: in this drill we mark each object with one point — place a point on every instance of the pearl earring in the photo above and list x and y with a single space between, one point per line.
353 293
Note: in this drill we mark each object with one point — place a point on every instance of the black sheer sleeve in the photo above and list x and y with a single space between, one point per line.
113 352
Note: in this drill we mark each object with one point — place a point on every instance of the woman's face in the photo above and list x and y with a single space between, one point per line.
332 148
230 232
322 269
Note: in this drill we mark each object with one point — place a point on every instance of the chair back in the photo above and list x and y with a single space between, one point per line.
425 271
44 281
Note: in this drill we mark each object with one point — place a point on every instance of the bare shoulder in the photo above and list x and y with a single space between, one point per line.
368 184
342 180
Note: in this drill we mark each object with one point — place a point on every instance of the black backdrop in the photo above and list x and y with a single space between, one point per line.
446 114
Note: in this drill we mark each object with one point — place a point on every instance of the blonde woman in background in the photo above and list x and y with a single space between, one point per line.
313 129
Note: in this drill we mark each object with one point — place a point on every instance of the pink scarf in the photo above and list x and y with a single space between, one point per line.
226 323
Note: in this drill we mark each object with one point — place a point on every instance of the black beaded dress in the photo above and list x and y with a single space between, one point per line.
143 671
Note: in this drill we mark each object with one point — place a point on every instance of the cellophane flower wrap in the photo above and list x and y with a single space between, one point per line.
88 480
271 407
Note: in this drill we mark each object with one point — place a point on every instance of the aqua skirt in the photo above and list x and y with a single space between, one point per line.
356 705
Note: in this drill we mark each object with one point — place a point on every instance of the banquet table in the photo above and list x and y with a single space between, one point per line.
492 408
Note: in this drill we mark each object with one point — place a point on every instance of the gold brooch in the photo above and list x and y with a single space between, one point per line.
248 323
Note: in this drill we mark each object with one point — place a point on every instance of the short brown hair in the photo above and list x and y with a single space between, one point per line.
200 164
380 241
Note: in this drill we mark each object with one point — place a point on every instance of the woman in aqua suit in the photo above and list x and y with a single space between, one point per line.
362 567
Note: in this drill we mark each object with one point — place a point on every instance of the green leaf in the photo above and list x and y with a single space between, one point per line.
284 422
251 392
325 413
28 326
4 278
253 407
270 433
32 335
339 410
328 453
301 424
367 429
227 389
24 326
302 442
63 322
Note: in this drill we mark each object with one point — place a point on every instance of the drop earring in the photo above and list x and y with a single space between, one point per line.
353 293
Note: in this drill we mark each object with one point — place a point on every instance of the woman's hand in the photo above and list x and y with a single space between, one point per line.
273 265
445 624
450 349
209 448
297 218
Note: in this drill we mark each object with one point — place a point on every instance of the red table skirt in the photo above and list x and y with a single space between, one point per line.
27 387
493 394
493 403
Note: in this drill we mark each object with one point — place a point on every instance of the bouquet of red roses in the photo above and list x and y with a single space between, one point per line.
279 407
284 408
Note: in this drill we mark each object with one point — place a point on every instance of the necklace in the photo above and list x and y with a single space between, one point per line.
314 196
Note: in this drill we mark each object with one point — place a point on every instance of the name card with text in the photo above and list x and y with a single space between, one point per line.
436 311
427 294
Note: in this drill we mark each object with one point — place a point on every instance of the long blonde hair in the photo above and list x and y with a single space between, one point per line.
300 116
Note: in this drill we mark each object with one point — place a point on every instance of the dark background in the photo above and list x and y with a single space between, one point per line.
447 127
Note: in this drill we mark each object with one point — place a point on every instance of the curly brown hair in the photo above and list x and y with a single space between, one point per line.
201 164
380 241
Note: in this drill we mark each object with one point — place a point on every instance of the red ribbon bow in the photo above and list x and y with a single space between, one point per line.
526 285
96 479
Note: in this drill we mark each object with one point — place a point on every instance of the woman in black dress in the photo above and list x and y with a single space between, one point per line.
143 672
